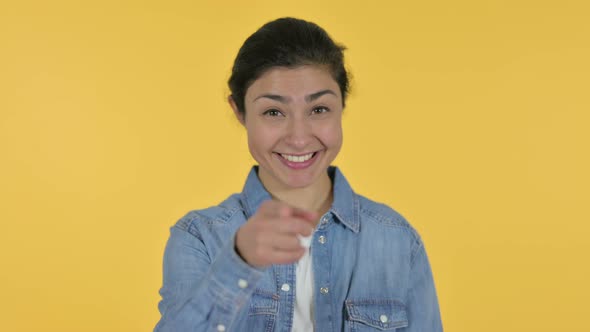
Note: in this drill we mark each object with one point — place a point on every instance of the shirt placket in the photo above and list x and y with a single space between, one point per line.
285 276
322 265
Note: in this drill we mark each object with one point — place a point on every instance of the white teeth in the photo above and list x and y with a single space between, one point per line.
297 159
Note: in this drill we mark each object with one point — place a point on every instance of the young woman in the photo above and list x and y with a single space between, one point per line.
297 249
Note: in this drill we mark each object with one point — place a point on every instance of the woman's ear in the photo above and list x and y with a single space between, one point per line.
239 115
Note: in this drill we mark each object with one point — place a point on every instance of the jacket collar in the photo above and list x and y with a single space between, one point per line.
345 206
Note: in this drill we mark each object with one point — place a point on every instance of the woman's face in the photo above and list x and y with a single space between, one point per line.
294 124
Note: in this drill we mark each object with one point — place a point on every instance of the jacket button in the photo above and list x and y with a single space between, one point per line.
220 328
324 290
322 239
285 287
242 283
383 319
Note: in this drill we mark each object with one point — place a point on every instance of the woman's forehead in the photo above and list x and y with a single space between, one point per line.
293 83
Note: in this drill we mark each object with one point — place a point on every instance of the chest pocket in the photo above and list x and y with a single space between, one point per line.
262 312
375 315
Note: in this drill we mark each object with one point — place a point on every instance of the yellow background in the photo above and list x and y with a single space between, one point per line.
471 118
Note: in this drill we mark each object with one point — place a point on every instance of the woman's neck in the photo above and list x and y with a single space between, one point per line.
317 197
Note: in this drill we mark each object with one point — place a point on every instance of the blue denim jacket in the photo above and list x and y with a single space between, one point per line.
371 271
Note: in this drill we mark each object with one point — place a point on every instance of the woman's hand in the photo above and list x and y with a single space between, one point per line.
271 235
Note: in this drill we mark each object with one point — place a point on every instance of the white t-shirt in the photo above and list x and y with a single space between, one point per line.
303 315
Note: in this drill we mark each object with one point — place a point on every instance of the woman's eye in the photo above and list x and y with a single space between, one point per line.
320 110
272 113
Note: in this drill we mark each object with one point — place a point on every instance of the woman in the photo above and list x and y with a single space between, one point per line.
297 249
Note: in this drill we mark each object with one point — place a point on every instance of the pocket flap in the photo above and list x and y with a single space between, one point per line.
383 314
263 302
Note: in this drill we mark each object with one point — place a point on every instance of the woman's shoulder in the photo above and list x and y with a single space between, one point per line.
215 214
383 215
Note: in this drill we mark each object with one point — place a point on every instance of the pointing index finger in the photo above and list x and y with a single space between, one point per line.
310 216
274 208
280 209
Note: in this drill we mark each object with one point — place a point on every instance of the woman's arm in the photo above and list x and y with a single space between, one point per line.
422 304
199 294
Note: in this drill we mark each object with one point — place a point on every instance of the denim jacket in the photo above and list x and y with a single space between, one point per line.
371 271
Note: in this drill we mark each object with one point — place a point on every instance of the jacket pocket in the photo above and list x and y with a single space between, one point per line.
263 311
375 315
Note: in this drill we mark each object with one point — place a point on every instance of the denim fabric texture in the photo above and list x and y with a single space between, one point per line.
371 271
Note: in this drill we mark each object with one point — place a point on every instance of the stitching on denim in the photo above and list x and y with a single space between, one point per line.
418 247
389 220
356 316
189 222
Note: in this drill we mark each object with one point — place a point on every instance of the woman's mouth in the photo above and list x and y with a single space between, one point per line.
298 161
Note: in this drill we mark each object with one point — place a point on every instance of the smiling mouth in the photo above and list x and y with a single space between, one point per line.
299 158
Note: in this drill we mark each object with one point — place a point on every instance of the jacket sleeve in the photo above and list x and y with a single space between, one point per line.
200 294
422 305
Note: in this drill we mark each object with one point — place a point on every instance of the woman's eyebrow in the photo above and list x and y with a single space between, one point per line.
278 98
316 95
309 98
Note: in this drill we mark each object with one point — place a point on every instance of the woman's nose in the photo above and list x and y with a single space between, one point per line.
298 132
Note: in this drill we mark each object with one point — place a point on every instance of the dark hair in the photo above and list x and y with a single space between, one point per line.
286 42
